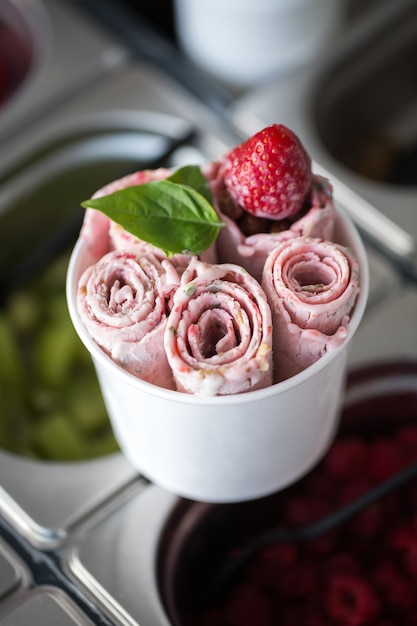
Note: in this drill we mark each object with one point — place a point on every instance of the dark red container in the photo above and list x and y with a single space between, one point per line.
363 572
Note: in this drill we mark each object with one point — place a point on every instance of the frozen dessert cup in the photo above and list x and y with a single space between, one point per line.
225 448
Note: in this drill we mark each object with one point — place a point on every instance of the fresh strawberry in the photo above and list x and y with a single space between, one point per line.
269 174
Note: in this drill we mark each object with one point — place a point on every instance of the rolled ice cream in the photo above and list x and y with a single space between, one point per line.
235 245
123 301
200 321
218 337
312 286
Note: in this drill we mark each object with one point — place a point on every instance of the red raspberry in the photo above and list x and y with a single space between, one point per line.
269 174
269 562
407 441
288 615
346 459
247 606
353 490
351 601
341 562
298 582
305 509
317 484
369 521
394 587
310 615
384 460
409 499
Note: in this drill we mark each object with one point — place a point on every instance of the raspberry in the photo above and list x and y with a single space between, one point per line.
268 563
305 509
351 601
298 582
407 441
409 493
247 606
324 544
346 459
404 543
269 174
317 484
394 587
352 490
310 615
368 522
341 562
287 615
384 460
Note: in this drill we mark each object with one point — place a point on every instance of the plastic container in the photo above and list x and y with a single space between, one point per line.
224 448
243 42
361 569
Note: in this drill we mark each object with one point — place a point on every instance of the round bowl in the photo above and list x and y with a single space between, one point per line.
228 448
289 582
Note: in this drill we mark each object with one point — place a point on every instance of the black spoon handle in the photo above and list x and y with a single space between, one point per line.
242 554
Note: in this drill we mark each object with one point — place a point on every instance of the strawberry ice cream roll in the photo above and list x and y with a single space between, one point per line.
123 301
218 338
100 232
312 286
316 219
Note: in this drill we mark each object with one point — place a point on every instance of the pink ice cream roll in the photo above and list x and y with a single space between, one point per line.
251 252
123 301
312 286
218 337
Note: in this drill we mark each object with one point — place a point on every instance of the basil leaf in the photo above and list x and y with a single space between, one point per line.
191 175
171 216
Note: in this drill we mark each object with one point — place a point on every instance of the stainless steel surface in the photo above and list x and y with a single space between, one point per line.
389 331
44 607
10 576
15 576
44 500
122 99
67 168
116 561
99 112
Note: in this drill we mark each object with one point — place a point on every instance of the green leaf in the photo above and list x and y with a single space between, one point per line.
191 176
173 214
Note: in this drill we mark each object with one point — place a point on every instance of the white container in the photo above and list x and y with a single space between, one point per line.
243 42
232 448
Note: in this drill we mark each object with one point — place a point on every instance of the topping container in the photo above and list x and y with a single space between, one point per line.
380 405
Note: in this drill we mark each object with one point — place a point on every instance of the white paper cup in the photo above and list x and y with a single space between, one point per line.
229 448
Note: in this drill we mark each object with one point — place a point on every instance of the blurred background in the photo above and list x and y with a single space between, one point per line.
91 90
